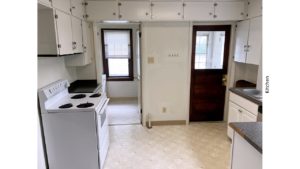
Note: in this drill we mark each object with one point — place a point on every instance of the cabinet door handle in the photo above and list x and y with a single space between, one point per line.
240 111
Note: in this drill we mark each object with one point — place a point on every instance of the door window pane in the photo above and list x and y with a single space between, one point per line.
209 49
118 67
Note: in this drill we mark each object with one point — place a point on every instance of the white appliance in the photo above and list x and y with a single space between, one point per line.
75 127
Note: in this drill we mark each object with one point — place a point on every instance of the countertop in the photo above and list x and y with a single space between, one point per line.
84 86
242 94
250 131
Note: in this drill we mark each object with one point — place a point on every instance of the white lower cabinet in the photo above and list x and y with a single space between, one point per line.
244 155
240 110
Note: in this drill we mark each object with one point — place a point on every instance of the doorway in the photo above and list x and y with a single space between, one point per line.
210 51
120 44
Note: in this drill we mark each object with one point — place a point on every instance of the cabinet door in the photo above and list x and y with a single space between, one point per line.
87 42
229 10
77 35
246 116
198 11
64 5
135 11
254 8
233 116
102 10
64 32
255 41
77 8
45 2
242 30
167 11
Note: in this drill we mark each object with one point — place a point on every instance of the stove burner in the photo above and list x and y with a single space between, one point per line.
65 106
95 95
78 96
85 105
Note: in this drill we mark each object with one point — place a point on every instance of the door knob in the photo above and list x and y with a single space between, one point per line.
224 80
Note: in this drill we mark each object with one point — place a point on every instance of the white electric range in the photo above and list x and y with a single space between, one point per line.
75 127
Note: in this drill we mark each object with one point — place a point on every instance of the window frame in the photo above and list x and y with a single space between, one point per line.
105 60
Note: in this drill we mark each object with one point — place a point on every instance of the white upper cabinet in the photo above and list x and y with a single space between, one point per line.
64 5
229 10
102 10
248 44
135 10
64 32
77 8
241 41
76 35
47 3
47 39
255 41
167 10
198 10
254 8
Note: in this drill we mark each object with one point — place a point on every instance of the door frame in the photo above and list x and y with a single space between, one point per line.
227 50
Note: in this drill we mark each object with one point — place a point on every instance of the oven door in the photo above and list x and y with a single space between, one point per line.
102 125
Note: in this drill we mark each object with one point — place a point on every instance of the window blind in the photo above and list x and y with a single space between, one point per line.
117 44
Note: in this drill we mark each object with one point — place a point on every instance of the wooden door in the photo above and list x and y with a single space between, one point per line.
208 72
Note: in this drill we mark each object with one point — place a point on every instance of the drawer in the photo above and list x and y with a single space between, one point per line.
244 103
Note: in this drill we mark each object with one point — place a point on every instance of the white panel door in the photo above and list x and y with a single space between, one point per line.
242 30
77 35
64 32
77 8
233 116
102 10
254 8
135 10
194 11
255 41
230 10
167 11
64 5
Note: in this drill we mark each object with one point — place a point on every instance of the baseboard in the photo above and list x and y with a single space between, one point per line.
170 122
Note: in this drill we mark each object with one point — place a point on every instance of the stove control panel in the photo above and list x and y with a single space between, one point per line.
54 88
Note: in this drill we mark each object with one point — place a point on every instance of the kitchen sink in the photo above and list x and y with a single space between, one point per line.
257 94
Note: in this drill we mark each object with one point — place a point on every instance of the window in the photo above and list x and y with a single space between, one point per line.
117 54
209 49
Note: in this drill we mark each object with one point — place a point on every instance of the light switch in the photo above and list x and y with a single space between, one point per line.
150 60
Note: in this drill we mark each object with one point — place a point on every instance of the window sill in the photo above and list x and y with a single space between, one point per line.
119 79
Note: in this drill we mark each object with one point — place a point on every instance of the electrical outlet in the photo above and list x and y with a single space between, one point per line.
164 109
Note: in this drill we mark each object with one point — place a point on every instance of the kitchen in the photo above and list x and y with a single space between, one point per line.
167 33
194 69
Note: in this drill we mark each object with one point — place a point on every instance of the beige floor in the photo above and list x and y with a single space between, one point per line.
123 111
195 146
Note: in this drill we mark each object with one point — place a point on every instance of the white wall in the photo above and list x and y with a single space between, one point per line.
166 81
52 69
116 89
246 72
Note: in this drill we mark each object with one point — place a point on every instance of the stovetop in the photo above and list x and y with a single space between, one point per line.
82 102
